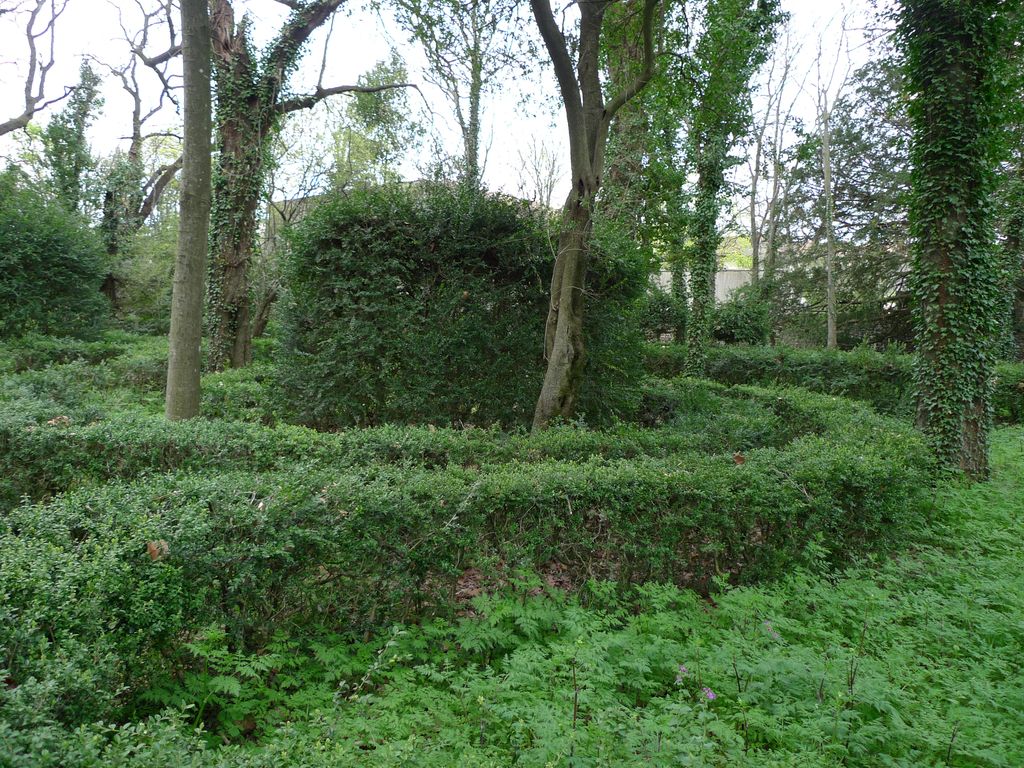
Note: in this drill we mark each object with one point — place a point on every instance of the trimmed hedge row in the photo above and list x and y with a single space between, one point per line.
885 380
352 548
39 458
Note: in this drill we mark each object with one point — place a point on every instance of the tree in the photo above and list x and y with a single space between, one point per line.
870 180
588 116
64 142
539 171
955 58
183 359
825 100
252 97
468 43
131 190
40 32
734 43
646 192
772 119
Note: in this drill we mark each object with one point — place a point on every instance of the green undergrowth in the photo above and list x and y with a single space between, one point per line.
882 379
907 661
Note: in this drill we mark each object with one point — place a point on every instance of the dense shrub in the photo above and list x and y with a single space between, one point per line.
744 319
662 314
883 379
50 265
37 351
428 306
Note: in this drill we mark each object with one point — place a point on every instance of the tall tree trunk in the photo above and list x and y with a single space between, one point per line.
771 245
238 187
755 227
183 358
830 239
588 118
471 136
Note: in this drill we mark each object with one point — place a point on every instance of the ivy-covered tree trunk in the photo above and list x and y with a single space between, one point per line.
732 46
237 191
953 52
249 105
1013 255
702 257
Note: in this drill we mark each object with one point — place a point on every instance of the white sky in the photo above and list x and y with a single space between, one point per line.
520 111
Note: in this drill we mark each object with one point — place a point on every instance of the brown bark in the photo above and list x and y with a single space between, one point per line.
183 361
588 117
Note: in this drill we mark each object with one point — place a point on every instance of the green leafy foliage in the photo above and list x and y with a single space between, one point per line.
744 319
425 305
50 265
734 43
662 313
65 147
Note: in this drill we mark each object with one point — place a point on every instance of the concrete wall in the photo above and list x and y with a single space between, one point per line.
726 281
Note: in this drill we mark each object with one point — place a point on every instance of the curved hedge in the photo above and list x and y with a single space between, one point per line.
372 530
48 446
883 379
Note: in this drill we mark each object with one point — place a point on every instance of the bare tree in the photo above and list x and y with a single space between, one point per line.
40 37
183 360
539 171
588 116
828 90
770 125
468 43
134 194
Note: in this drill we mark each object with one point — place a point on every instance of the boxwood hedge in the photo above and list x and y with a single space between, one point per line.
883 379
123 536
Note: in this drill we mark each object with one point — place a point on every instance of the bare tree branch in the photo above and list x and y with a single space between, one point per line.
38 69
311 99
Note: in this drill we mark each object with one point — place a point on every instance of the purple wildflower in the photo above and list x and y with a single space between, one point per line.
708 693
771 631
683 672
